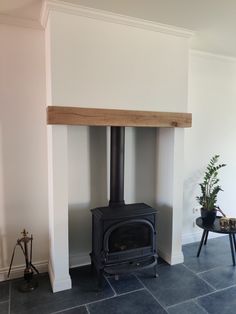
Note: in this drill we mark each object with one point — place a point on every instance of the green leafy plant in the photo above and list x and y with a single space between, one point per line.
210 187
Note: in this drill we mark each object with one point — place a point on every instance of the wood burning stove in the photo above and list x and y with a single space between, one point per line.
123 236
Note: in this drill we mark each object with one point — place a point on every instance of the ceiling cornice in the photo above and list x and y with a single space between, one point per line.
16 21
69 8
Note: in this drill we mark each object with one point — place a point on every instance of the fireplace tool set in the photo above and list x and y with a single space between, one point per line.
26 245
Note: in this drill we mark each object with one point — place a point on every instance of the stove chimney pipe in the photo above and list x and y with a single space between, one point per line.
117 166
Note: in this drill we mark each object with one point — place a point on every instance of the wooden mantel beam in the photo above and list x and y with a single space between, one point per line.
115 117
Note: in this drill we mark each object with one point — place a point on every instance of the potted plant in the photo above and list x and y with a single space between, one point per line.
210 189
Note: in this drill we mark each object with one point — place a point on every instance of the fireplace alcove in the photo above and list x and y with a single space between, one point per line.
123 236
170 142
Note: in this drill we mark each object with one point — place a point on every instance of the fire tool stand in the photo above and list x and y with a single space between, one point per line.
30 283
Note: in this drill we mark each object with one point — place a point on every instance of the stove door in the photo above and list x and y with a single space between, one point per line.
134 238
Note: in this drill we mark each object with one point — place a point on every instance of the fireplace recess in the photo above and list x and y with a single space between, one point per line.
123 235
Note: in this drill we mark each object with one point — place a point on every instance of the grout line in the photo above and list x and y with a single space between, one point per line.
129 292
213 292
183 302
113 289
86 304
140 281
179 303
154 297
104 299
68 309
186 301
87 308
199 305
214 268
145 287
201 296
122 294
206 282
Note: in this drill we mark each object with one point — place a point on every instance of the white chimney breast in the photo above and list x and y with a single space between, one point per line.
103 60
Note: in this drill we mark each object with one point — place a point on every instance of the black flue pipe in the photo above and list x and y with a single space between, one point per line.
117 166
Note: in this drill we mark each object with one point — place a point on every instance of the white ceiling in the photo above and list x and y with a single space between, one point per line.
214 21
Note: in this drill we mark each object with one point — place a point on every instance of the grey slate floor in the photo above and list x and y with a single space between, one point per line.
200 285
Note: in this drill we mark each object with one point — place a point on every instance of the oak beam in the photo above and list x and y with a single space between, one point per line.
116 117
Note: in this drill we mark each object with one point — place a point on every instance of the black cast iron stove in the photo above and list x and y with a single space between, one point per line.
123 236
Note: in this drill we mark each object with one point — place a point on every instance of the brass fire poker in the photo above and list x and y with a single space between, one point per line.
30 283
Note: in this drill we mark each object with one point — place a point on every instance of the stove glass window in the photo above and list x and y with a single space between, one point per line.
133 235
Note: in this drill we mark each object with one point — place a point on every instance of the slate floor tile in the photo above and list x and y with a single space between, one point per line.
175 288
138 302
221 277
4 307
186 308
175 284
220 302
215 254
43 301
125 283
77 310
4 291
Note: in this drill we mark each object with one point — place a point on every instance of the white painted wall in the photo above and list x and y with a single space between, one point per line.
23 160
116 66
212 98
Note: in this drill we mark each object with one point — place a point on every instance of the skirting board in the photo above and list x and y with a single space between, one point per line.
196 237
77 260
43 266
18 271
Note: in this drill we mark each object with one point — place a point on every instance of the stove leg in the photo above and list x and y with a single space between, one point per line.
100 279
92 268
155 269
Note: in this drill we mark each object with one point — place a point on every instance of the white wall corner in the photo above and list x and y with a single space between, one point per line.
44 14
58 207
170 162
76 9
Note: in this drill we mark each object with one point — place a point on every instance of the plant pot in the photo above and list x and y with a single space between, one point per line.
208 216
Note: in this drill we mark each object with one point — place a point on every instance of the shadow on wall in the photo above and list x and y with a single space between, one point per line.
145 165
87 186
192 189
164 230
80 236
98 166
